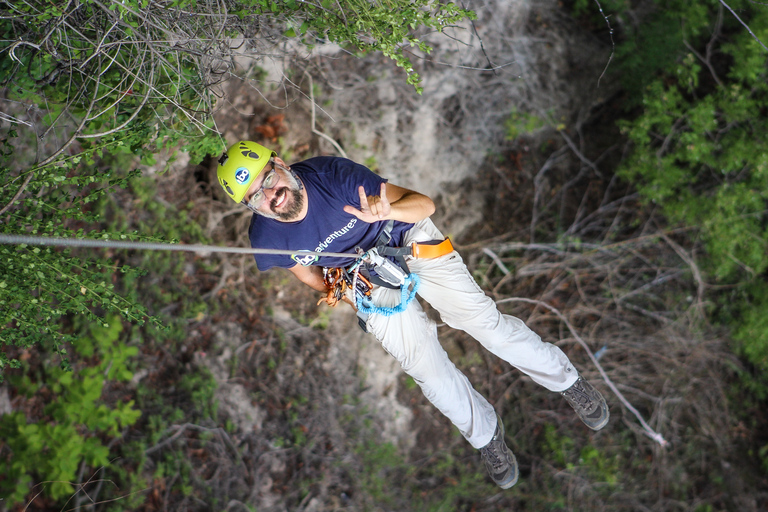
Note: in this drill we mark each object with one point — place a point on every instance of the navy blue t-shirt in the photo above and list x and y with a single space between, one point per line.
331 184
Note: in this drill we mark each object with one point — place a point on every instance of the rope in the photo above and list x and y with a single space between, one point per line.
366 306
156 246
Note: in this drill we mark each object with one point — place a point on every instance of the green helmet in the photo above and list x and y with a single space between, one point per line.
240 165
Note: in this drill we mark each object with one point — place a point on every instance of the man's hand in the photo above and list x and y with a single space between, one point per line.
396 203
372 208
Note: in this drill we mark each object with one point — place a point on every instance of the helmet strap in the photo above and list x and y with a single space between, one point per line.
298 180
289 170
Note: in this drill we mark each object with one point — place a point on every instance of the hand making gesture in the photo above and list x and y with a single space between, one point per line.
372 208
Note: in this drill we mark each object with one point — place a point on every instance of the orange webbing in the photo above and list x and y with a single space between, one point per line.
432 250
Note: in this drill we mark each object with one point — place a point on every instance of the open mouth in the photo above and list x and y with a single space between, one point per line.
280 199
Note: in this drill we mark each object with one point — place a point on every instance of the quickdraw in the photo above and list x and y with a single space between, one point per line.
338 281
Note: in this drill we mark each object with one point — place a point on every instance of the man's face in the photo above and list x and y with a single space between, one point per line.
277 194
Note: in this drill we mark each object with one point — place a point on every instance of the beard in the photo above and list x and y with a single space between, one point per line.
294 201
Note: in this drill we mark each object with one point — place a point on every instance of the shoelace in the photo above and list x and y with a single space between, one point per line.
491 456
580 397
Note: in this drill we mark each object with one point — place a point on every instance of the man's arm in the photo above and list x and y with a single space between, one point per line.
312 276
395 203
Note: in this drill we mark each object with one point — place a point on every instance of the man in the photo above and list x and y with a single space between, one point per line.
333 205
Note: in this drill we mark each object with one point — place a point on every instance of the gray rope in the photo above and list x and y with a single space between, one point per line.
155 246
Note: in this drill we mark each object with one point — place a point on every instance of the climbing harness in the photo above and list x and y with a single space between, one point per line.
431 249
339 280
383 271
373 267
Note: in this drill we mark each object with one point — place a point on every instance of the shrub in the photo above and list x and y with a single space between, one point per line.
77 423
699 154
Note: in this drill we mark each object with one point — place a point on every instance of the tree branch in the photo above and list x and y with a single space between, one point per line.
647 429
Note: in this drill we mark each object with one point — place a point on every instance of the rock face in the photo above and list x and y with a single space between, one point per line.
518 54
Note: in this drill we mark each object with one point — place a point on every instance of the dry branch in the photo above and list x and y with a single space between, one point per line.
648 430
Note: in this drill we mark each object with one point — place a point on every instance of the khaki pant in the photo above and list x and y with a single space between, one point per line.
411 338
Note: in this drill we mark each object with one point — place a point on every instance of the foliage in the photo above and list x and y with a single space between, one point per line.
106 63
118 82
651 36
158 220
655 45
387 480
521 123
698 154
370 26
591 8
76 423
561 449
39 287
192 403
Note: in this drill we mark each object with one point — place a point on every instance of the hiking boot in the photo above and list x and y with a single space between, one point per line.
588 403
499 460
